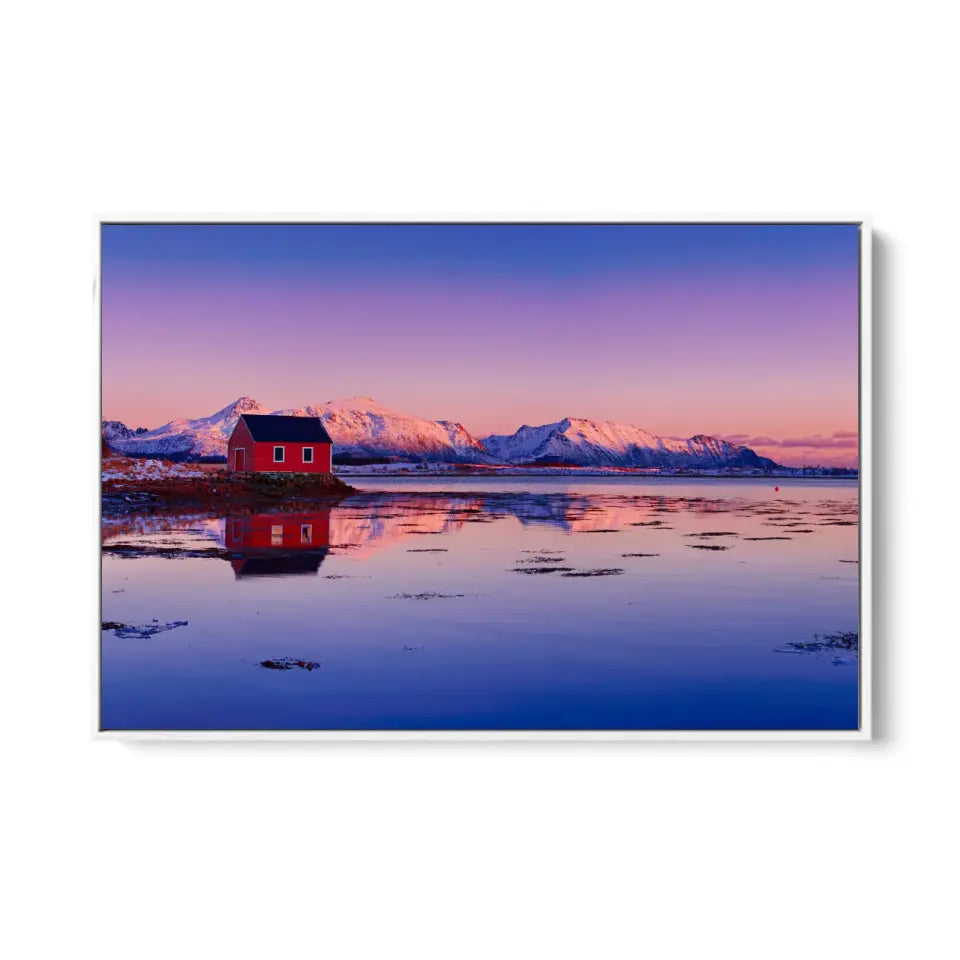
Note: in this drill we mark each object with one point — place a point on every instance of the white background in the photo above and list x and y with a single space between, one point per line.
445 109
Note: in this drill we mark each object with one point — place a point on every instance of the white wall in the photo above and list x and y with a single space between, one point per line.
683 850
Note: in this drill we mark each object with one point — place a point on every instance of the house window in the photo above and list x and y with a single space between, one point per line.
306 533
278 454
308 454
276 535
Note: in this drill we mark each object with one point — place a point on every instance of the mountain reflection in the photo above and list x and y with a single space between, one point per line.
371 517
288 542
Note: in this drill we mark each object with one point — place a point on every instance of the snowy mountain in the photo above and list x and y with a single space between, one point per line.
592 443
115 430
202 439
360 427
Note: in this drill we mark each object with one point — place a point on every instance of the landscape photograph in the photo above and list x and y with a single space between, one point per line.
480 477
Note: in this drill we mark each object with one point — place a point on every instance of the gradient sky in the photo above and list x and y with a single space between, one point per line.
745 332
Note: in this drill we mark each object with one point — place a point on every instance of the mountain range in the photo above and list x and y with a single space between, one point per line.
363 429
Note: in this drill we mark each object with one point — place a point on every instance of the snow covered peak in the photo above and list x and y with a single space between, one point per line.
359 404
239 406
203 438
606 443
363 428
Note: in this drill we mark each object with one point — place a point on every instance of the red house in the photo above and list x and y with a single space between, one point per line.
275 444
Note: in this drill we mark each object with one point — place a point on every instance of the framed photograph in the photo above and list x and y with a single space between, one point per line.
557 479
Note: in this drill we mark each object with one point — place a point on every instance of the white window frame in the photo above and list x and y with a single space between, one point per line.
283 454
303 459
276 535
306 533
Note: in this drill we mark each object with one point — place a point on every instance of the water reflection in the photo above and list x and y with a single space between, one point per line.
271 541
277 544
543 606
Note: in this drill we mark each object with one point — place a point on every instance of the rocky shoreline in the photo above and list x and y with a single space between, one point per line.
127 485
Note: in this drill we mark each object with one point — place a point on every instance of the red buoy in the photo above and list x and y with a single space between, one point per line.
776 489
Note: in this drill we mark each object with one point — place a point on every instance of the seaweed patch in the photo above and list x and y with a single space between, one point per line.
712 533
127 630
289 663
847 642
425 596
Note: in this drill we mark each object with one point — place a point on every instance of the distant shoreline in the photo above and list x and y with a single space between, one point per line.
638 474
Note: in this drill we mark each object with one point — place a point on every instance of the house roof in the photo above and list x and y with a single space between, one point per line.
270 427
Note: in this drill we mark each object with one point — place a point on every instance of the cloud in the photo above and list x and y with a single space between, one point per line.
839 440
840 449
822 443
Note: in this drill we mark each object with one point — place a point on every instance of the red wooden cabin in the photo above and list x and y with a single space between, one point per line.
275 444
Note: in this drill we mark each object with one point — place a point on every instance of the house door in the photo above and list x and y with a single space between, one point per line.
238 457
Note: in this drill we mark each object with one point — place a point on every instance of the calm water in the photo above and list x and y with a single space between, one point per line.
411 599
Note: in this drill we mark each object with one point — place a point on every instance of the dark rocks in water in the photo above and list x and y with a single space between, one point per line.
767 538
648 523
838 523
563 570
845 642
425 596
639 554
289 663
849 561
599 572
126 630
135 550
712 533
543 559
707 546
604 530
427 550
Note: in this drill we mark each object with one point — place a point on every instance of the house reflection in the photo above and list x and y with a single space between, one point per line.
278 544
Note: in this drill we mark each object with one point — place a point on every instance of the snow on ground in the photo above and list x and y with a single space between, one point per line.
125 468
401 466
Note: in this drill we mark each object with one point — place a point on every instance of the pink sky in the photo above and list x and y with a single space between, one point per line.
751 336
